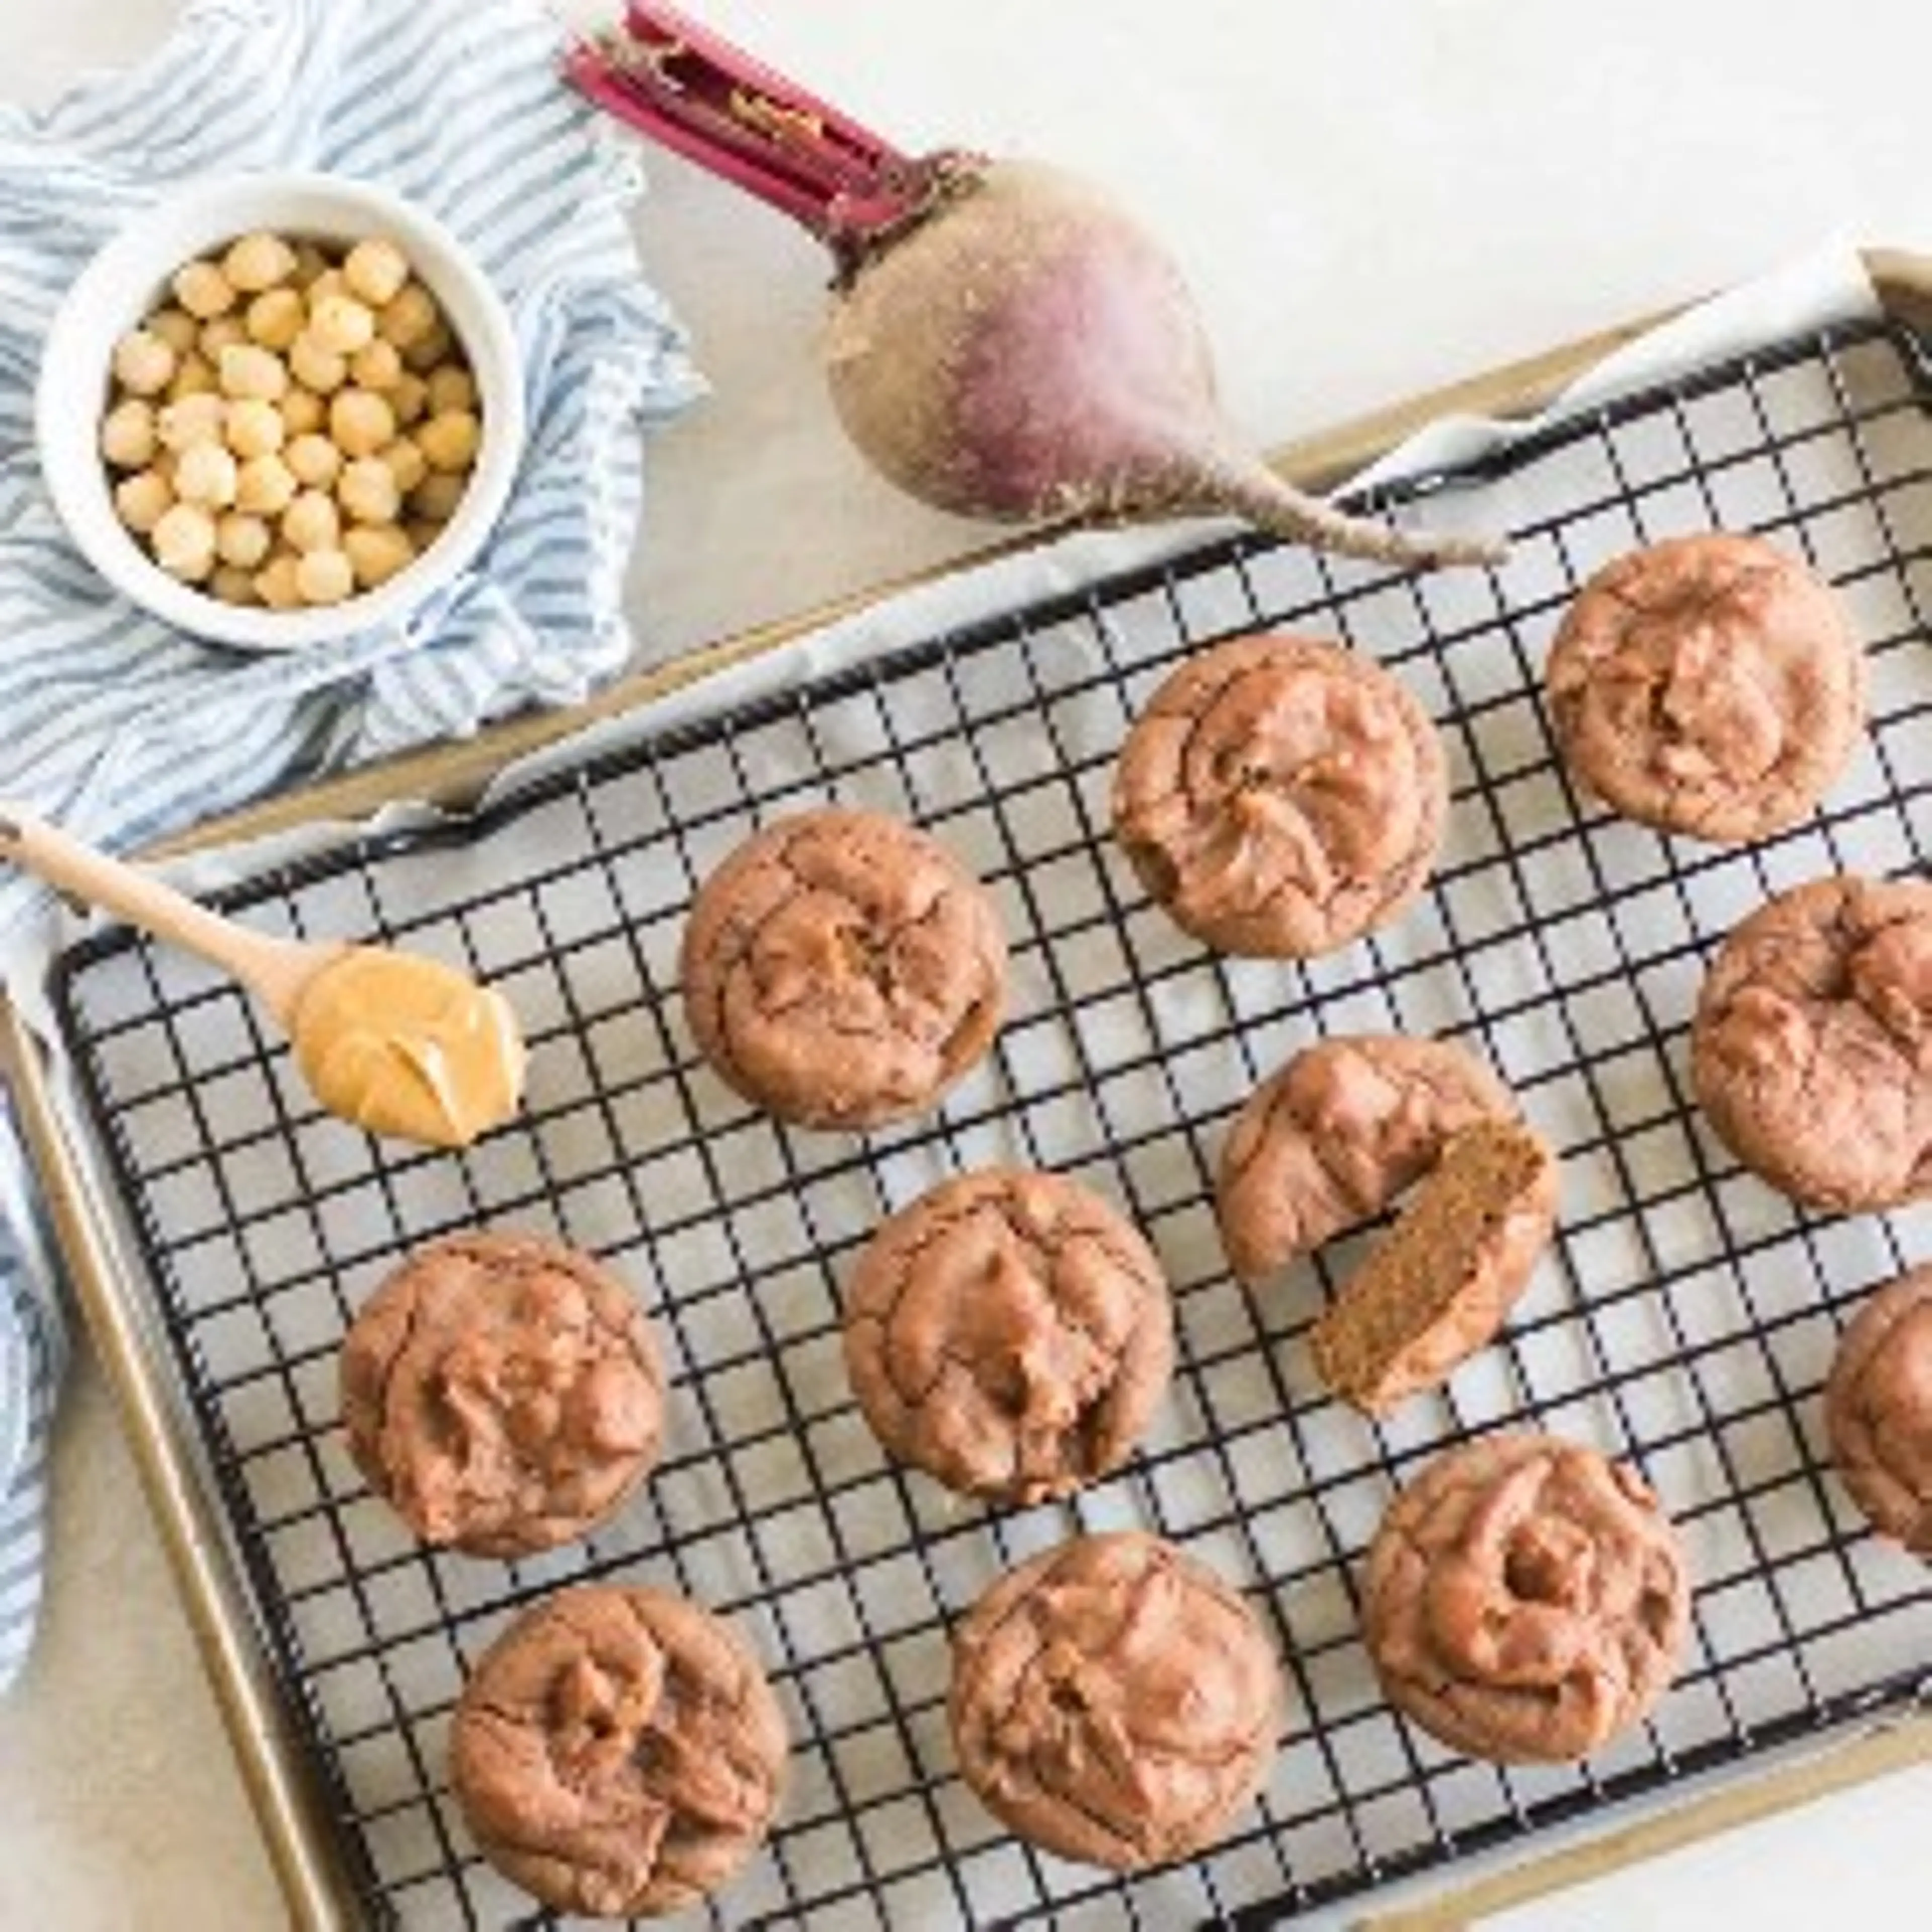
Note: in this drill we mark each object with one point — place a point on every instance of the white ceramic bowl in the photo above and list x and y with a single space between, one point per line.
124 283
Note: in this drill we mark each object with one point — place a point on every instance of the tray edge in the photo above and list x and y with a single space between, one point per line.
280 1789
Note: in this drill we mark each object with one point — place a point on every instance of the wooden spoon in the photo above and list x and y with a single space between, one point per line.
390 1041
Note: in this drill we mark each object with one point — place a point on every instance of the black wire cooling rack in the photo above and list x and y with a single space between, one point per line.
1686 1320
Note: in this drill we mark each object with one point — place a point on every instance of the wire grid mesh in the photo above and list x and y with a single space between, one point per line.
1686 1319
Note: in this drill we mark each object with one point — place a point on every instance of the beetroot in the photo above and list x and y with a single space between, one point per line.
1004 342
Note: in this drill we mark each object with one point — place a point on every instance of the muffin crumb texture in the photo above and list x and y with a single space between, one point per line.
1438 1285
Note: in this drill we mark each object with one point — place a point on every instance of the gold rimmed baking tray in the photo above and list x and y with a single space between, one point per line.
301 1802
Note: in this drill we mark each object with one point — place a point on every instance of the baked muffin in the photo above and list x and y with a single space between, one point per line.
1010 1334
1812 1047
617 1752
1114 1701
1280 797
1526 1600
841 969
502 1393
1878 1410
1708 685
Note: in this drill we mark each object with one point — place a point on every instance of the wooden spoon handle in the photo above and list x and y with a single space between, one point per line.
273 968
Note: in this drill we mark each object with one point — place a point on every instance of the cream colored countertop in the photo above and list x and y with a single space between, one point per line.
1369 200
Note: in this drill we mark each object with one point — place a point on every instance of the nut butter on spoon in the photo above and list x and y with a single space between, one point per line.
390 1041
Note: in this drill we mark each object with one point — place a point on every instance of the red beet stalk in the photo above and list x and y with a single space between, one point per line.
1004 342
672 78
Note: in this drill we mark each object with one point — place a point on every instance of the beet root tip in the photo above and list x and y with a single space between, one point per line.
1272 504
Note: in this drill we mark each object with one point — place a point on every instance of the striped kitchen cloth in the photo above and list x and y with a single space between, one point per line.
121 728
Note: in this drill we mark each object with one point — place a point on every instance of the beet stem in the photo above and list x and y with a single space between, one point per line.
675 80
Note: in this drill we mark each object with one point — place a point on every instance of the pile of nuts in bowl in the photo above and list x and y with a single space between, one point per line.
292 425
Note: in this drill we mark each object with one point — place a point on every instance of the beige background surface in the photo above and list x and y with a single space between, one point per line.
1370 199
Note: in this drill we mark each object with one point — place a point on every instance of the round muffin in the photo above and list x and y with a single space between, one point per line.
502 1392
1709 685
841 970
1332 1137
1114 1701
617 1751
1279 796
1878 1410
1525 1600
1010 1334
1812 1049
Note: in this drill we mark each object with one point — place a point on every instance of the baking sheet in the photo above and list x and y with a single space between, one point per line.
1566 945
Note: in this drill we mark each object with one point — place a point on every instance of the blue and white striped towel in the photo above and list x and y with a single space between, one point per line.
121 728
